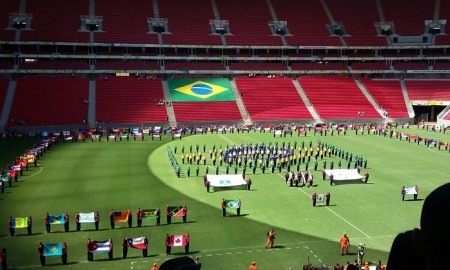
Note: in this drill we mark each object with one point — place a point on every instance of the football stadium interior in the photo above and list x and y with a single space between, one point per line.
169 68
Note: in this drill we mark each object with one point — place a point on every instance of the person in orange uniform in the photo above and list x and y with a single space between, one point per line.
344 243
270 238
155 266
253 266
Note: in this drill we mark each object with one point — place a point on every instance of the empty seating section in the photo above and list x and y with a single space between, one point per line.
249 22
55 64
337 98
6 64
441 66
388 94
124 65
56 21
318 66
408 17
129 100
206 111
428 90
360 25
125 22
194 66
444 15
370 66
7 8
188 22
410 66
49 101
257 66
306 21
272 99
3 89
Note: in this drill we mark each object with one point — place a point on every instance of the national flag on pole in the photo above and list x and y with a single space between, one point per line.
20 222
232 203
138 243
120 216
178 240
149 213
176 211
87 217
57 219
102 246
53 249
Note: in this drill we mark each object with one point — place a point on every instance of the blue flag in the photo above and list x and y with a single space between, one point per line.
59 219
53 249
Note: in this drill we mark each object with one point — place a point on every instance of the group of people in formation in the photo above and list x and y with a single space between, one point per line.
275 158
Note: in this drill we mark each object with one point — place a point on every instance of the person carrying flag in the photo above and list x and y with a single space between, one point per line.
158 217
168 215
224 209
314 198
97 220
168 242
270 238
130 218
124 248
47 222
139 216
184 213
66 222
41 253
29 226
403 192
186 247
64 253
145 249
12 230
77 221
90 249
111 218
238 210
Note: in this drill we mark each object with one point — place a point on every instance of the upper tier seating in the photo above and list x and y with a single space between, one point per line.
194 66
388 94
337 98
318 66
3 89
444 15
428 90
410 66
55 64
360 25
7 7
56 21
306 21
130 100
104 65
257 66
125 22
249 22
370 66
46 100
206 111
441 66
272 99
408 18
188 22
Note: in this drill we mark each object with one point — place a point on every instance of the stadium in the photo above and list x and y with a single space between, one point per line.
112 110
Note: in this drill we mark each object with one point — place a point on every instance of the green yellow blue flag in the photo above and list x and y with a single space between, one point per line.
20 222
149 213
200 89
53 249
232 203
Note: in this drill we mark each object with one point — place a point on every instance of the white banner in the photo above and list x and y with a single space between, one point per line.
343 174
226 180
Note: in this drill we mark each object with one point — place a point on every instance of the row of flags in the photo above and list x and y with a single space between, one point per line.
105 246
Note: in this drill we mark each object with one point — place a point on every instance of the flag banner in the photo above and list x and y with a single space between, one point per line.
278 133
66 133
342 175
123 135
56 133
57 219
149 213
177 135
138 135
120 216
410 190
405 135
17 168
112 136
226 180
68 138
156 135
53 249
95 136
146 131
115 130
200 89
232 203
80 136
18 223
178 240
138 243
102 246
87 217
44 133
176 211
320 198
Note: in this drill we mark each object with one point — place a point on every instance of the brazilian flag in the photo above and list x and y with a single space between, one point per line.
232 203
200 89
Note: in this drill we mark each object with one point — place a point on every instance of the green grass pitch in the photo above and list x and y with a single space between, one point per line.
100 176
